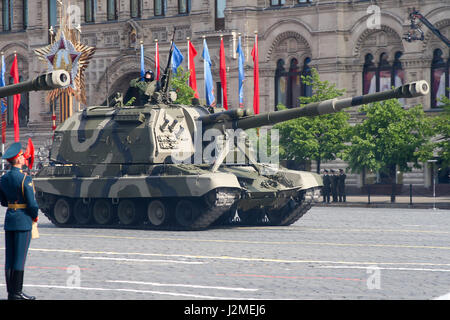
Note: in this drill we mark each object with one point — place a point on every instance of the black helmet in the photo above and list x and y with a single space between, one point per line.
152 75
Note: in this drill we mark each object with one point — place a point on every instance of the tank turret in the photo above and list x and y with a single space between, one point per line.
47 81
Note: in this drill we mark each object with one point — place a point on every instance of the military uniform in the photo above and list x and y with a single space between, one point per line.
326 187
17 193
145 88
334 184
341 186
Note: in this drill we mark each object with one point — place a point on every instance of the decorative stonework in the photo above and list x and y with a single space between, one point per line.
377 41
432 42
288 44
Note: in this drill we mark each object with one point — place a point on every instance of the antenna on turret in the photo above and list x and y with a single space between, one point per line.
165 79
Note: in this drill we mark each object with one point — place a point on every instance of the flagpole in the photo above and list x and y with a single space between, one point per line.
220 68
16 98
156 60
188 58
53 103
204 69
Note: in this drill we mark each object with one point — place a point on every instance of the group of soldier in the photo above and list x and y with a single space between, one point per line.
334 186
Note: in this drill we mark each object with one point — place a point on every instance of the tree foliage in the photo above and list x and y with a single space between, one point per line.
318 138
390 136
180 84
442 130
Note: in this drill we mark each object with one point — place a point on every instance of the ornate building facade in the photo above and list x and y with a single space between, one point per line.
356 44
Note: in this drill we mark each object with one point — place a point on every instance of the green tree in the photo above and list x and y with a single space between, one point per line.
389 137
442 130
179 83
319 138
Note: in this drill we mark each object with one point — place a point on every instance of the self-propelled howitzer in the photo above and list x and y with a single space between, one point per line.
153 166
47 81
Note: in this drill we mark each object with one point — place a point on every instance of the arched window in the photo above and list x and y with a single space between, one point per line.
135 8
111 9
439 78
7 14
288 83
369 75
382 76
306 88
384 73
280 83
184 6
159 7
89 10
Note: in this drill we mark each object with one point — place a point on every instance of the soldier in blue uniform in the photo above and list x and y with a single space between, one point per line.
17 193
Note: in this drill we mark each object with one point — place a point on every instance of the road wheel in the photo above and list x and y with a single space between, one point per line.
82 212
127 212
62 211
102 211
157 212
186 212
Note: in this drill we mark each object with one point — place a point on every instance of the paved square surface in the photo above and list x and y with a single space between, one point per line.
331 253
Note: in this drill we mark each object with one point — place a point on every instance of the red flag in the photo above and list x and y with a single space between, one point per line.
223 74
29 154
157 60
255 76
15 74
191 67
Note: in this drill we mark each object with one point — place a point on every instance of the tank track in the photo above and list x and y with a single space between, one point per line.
295 209
218 213
285 216
209 213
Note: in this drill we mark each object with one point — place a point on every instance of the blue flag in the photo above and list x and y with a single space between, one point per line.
209 84
241 73
177 58
142 62
2 82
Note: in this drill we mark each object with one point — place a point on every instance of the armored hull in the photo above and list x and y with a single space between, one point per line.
149 196
184 197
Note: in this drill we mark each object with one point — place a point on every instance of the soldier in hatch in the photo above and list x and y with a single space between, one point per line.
145 87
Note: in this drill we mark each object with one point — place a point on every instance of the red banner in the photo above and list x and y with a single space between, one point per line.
29 154
255 76
15 74
223 75
192 76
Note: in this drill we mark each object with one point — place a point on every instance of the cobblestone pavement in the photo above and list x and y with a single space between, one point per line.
331 253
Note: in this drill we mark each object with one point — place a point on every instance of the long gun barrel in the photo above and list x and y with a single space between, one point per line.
410 90
48 81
